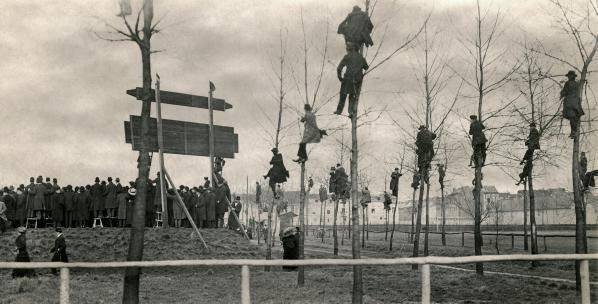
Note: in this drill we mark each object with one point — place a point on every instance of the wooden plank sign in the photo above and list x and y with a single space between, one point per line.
181 99
186 138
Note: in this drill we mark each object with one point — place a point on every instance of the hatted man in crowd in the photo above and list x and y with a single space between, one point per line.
39 199
210 199
69 206
21 206
97 198
58 203
30 197
232 220
110 199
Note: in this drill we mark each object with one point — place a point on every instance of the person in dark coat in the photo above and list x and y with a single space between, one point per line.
21 206
110 199
278 173
387 201
97 198
201 208
332 180
58 203
153 203
83 205
22 254
11 207
210 200
30 197
3 219
206 182
131 195
341 181
121 200
232 221
59 249
258 195
478 141
425 147
48 199
290 246
525 173
69 206
223 198
394 181
441 174
583 164
572 109
39 199
351 81
532 143
357 28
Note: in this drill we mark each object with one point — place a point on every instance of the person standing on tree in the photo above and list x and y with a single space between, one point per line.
572 109
341 179
278 173
532 143
357 28
332 180
478 141
311 133
425 147
355 64
387 201
394 182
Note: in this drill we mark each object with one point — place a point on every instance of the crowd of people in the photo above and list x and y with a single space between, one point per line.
51 204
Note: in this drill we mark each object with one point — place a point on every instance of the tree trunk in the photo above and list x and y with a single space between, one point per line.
581 246
525 236
132 274
418 224
386 227
363 227
301 272
324 222
269 236
413 209
532 215
335 228
477 193
443 215
357 274
394 217
426 252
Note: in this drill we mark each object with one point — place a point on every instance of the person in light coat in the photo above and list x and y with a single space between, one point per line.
311 133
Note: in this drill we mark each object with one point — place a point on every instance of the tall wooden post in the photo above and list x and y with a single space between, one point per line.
211 141
301 272
161 155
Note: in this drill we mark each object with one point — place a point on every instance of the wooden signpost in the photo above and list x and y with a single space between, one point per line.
185 138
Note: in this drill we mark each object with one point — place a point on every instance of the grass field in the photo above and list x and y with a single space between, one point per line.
222 285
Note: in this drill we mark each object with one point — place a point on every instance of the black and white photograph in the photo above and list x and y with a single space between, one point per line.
299 151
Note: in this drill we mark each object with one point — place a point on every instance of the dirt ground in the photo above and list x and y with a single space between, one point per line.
222 285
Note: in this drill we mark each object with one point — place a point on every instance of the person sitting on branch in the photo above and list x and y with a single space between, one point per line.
357 28
341 180
387 201
351 82
425 147
278 173
478 141
311 133
527 168
572 109
441 174
532 143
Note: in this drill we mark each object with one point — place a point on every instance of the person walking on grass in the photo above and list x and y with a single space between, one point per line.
59 249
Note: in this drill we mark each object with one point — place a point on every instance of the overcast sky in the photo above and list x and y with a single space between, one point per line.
64 102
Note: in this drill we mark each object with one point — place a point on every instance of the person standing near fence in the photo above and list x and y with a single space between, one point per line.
21 254
59 249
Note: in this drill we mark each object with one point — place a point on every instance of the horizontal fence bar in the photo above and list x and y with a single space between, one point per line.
487 233
309 262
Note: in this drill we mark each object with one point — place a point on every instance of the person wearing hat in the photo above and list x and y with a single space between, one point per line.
21 254
58 204
394 181
290 246
69 206
278 173
97 198
121 201
206 182
210 203
47 213
478 141
11 206
83 203
110 203
341 180
311 133
59 249
355 64
21 206
532 143
425 147
357 28
572 109
233 224
39 197
332 180
30 197
201 208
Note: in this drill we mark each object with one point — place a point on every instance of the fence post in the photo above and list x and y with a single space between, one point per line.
512 240
584 270
462 239
245 294
64 285
425 283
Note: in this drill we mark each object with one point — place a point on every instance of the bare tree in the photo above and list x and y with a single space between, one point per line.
142 37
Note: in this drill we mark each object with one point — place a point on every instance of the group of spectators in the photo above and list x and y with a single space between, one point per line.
109 200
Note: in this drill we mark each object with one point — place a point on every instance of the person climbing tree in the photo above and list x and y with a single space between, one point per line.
532 143
357 28
387 201
425 147
311 133
323 193
341 180
351 82
332 180
478 141
525 173
278 173
583 165
394 182
366 197
441 174
572 109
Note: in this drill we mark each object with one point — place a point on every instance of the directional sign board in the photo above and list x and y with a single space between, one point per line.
181 99
184 138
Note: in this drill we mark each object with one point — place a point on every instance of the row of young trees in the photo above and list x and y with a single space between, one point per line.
482 76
